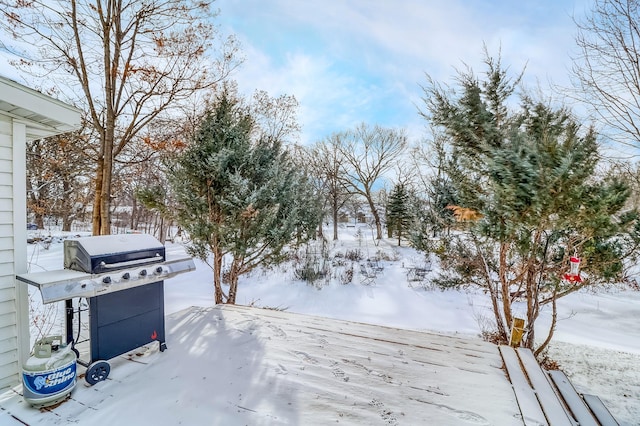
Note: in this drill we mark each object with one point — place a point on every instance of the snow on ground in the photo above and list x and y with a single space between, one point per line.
597 342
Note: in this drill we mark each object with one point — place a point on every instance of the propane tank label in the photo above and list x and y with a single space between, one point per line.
50 381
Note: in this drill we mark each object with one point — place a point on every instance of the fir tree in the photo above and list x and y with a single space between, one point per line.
238 195
399 213
530 174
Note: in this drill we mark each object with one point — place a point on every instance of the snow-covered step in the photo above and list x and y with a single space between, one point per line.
550 403
577 406
532 413
601 412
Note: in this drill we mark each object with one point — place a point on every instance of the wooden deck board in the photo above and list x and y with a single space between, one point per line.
601 412
530 408
547 397
577 406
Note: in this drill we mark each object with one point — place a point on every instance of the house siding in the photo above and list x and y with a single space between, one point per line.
9 356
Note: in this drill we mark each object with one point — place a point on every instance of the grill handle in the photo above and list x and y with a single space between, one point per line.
138 262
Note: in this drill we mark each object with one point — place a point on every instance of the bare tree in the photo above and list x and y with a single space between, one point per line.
56 178
276 116
606 72
430 162
327 163
369 152
127 62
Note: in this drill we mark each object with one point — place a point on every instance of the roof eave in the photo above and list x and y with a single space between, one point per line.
44 115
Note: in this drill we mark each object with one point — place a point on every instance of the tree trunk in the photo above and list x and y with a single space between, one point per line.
334 208
39 218
552 328
163 234
217 276
105 196
532 311
233 289
376 217
493 292
67 207
134 213
95 215
504 284
110 117
37 211
234 274
533 304
66 223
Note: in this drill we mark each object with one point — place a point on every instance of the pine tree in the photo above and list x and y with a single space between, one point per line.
238 195
399 213
530 174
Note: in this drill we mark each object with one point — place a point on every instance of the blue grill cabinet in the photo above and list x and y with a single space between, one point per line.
122 321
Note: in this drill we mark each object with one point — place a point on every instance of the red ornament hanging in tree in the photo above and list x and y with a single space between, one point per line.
574 273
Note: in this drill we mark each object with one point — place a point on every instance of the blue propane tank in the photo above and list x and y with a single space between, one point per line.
49 375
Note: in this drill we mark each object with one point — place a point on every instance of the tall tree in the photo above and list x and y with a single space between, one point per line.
529 173
370 152
237 194
125 61
327 165
399 211
606 70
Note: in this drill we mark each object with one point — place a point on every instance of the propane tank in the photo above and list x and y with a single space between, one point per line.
49 375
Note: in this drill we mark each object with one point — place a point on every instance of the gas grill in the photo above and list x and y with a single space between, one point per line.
122 277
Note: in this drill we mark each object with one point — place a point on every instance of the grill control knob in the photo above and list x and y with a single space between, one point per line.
106 280
143 273
126 276
159 270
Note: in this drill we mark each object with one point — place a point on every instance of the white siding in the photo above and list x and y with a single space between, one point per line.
8 308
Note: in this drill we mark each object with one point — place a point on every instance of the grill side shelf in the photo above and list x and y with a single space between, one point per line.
67 284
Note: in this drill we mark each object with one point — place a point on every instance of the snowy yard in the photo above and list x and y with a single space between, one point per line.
597 342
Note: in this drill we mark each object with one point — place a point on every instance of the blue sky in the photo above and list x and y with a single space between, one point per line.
353 61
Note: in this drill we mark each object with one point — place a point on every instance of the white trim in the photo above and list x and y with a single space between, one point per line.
20 237
36 130
20 96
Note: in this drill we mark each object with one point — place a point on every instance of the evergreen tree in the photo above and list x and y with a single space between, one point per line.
399 212
530 174
238 195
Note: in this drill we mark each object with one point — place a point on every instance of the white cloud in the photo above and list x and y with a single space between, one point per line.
363 60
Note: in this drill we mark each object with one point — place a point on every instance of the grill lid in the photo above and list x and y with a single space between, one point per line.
107 253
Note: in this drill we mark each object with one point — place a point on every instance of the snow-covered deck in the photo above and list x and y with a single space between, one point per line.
231 365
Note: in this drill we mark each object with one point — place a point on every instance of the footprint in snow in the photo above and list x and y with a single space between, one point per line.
466 416
385 414
281 369
305 357
340 374
277 331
